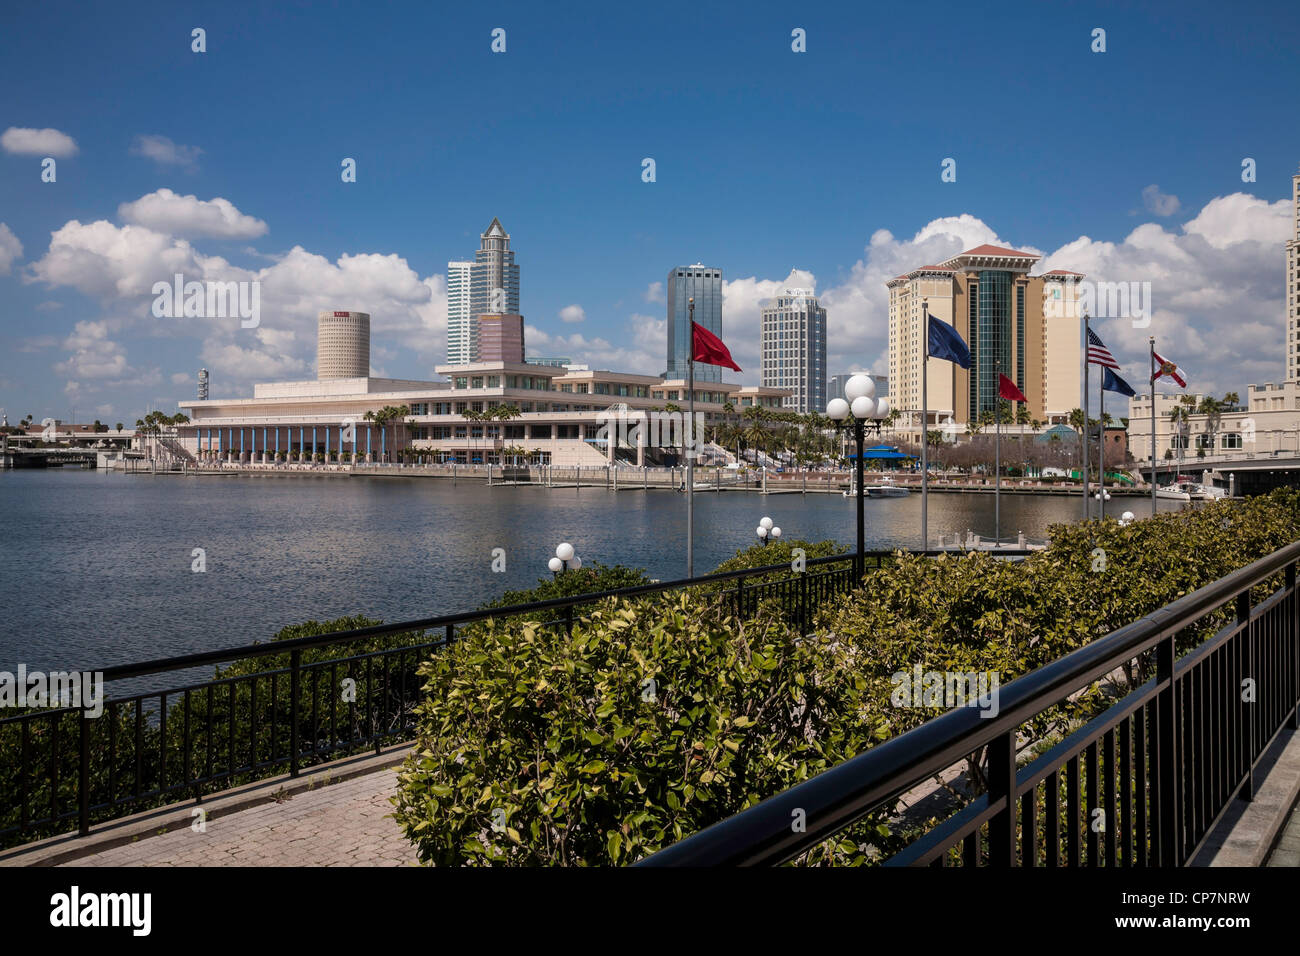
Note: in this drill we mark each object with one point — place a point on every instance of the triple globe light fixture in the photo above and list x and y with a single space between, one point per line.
859 407
565 559
859 401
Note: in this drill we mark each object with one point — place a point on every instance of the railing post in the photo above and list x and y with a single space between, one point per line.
1252 708
295 683
1166 759
804 610
1002 787
1292 633
83 809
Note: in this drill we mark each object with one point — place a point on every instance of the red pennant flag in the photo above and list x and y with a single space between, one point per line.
1007 389
708 348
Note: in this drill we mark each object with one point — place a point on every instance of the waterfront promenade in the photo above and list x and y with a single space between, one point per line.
627 478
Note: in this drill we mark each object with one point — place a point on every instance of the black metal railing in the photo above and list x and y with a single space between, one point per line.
281 706
1158 768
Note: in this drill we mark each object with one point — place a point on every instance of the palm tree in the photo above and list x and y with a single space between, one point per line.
472 416
387 415
1179 416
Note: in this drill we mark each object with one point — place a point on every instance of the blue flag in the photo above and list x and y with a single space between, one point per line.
1113 383
944 343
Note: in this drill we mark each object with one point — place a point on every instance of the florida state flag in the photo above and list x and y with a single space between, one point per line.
708 348
1007 389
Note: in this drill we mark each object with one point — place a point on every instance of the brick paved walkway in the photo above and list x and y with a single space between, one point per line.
343 824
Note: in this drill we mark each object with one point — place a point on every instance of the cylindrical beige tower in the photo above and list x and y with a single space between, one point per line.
342 345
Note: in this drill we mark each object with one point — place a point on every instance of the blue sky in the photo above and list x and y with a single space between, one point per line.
767 161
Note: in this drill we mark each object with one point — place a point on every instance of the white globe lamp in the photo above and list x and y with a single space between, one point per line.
859 386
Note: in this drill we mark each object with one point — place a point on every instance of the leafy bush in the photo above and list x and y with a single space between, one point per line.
978 613
593 578
780 551
538 746
649 722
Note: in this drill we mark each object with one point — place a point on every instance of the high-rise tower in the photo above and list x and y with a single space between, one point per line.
462 330
342 345
704 284
793 347
487 286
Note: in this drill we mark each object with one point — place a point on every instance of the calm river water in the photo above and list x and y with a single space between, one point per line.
95 568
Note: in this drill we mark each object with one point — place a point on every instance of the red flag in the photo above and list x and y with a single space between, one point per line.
708 348
1007 389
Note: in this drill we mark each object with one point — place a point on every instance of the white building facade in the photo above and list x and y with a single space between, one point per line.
793 348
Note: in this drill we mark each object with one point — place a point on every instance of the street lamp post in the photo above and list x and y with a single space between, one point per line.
766 531
861 405
564 559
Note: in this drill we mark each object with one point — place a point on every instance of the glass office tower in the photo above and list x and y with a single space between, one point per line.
704 284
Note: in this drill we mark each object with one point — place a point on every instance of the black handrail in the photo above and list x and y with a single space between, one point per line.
181 662
837 798
106 773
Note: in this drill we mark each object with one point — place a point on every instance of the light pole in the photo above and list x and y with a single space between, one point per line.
766 531
564 559
859 404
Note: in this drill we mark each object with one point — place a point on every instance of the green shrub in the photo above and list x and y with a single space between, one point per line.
649 722
780 551
592 578
979 613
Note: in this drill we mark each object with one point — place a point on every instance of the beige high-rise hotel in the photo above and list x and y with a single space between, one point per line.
1026 327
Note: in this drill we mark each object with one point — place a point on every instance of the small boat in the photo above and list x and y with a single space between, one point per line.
885 488
1172 493
1205 492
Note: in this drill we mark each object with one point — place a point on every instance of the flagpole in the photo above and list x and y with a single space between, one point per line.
1151 342
997 458
925 416
690 450
1101 444
1084 455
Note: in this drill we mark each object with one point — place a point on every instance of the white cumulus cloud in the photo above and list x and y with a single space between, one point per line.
1162 204
24 141
164 152
10 249
168 212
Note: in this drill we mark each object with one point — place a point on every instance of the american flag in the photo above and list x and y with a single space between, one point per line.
1098 354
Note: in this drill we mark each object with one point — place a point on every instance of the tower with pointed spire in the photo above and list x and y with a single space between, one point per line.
487 286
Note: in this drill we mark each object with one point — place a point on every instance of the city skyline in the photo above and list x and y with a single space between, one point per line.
224 195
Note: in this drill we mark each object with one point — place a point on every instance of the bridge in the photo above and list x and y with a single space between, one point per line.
49 457
1251 473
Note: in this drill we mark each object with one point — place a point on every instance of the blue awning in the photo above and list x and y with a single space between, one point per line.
884 452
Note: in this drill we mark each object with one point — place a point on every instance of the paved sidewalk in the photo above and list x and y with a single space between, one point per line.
342 824
1287 851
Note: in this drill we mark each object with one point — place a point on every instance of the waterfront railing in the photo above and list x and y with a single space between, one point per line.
1142 784
283 706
